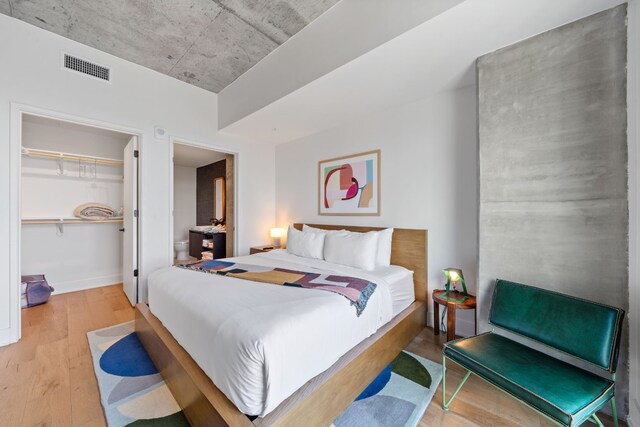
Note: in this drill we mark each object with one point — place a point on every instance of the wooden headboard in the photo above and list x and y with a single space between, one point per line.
408 249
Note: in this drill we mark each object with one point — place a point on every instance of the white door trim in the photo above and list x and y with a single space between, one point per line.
236 158
14 332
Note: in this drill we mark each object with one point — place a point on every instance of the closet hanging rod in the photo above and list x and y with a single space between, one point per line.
69 221
70 156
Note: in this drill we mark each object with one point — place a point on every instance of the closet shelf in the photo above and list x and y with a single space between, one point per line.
70 156
69 221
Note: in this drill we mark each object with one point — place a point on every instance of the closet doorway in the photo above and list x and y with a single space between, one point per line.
79 204
203 202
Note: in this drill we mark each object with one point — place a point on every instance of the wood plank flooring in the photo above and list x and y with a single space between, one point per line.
47 378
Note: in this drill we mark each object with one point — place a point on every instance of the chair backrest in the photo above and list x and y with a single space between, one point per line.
581 328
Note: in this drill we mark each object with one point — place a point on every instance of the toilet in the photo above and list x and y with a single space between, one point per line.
182 250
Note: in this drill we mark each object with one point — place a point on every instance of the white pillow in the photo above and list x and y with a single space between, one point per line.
383 254
308 245
383 251
353 249
308 229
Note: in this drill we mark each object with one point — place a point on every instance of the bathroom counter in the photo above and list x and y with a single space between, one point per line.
196 246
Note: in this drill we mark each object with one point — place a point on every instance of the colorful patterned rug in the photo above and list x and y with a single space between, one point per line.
133 393
398 397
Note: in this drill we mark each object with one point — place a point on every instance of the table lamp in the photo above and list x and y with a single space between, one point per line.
454 275
276 235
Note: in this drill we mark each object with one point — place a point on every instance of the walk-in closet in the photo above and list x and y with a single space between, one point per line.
78 207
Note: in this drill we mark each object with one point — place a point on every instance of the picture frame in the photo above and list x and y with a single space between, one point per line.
350 185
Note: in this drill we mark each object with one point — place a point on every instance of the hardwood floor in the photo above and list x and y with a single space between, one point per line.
47 378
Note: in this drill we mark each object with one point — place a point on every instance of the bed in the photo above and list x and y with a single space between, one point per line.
278 353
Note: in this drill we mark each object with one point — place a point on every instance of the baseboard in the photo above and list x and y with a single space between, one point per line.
8 336
634 413
464 327
80 285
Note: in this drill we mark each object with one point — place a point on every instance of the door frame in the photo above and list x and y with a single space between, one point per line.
185 141
18 110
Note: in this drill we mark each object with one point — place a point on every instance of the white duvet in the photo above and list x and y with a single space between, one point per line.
258 342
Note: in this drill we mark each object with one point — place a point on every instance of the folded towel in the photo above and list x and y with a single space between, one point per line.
94 211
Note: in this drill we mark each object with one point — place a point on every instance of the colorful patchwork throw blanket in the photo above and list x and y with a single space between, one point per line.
358 291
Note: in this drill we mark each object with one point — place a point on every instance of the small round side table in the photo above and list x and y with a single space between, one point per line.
455 302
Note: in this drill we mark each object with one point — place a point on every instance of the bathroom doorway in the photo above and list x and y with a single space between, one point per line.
203 203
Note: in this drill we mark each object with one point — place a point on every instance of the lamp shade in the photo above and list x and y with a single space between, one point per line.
277 232
454 275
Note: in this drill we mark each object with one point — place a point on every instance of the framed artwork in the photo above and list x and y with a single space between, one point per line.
350 185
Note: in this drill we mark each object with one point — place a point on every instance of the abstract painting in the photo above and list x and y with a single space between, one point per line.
350 185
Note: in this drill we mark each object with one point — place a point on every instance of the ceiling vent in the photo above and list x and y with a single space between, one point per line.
86 67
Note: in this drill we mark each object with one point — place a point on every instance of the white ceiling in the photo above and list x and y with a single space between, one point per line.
348 30
435 56
194 157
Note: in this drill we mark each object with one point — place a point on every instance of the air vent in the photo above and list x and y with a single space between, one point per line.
86 67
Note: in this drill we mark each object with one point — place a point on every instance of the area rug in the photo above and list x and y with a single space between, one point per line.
398 397
133 393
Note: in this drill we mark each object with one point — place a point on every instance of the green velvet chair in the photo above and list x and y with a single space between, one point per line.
561 391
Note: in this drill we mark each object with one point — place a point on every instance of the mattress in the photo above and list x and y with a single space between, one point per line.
401 287
258 342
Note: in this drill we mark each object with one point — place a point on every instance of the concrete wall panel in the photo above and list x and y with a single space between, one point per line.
553 165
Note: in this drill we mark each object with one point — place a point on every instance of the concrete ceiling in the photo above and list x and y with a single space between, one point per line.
207 43
194 157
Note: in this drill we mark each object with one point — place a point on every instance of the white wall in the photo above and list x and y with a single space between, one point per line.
46 194
325 44
428 178
46 134
136 100
83 255
412 66
184 201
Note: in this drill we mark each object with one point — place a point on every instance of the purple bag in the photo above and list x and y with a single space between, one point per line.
34 290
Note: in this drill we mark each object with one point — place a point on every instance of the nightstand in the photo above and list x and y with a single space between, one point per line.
258 249
457 301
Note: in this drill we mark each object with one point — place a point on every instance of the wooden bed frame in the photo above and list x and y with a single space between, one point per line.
322 399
